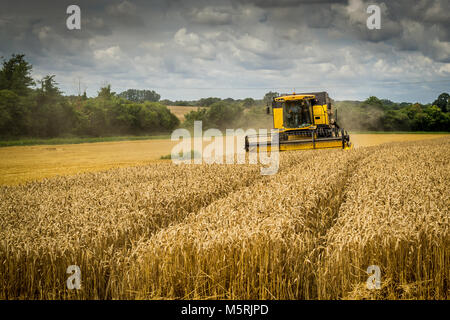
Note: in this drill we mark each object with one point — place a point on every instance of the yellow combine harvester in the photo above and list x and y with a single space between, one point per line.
304 122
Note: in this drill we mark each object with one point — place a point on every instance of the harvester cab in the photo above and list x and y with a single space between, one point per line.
302 121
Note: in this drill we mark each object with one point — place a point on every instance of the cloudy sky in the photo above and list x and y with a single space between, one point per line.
192 49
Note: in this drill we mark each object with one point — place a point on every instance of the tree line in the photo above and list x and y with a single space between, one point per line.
31 108
39 109
376 114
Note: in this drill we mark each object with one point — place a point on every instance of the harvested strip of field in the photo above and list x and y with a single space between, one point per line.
28 163
396 216
22 164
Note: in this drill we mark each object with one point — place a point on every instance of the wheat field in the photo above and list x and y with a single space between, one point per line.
20 164
181 111
165 231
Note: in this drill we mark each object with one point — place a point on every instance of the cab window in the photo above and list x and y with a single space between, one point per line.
296 114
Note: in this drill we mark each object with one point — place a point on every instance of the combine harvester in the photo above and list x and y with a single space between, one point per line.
303 121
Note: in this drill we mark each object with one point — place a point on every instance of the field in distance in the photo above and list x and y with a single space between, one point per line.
180 111
25 163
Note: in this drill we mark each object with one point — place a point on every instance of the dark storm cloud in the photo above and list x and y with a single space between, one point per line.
125 14
408 25
210 16
198 43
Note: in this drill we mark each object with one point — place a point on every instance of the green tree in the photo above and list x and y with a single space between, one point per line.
166 119
94 119
371 114
49 86
437 119
396 121
136 95
105 92
121 117
206 102
373 101
167 102
190 117
248 102
421 122
228 100
222 115
51 114
443 102
15 75
11 113
219 115
268 97
413 109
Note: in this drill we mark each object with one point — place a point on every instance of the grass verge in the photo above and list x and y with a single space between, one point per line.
76 140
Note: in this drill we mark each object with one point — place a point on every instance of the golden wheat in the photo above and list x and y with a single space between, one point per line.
89 219
253 244
396 216
225 231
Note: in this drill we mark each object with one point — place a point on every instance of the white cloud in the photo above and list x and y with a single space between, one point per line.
111 53
185 39
192 44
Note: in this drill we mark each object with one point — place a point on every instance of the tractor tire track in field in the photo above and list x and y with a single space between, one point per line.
325 215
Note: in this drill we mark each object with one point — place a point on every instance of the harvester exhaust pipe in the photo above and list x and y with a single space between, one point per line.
313 134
